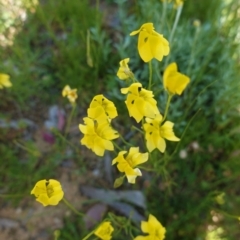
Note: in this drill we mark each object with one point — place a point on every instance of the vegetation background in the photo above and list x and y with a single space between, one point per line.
43 47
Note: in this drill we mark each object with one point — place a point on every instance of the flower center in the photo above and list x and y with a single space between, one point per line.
50 191
130 162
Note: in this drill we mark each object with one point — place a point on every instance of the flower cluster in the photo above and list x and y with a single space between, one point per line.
140 102
141 105
97 130
127 164
99 134
156 132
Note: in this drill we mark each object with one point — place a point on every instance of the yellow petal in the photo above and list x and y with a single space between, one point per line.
173 81
132 178
133 109
54 200
144 47
145 27
172 67
167 131
143 238
159 46
161 145
4 80
119 158
104 231
65 90
124 90
43 199
134 32
139 159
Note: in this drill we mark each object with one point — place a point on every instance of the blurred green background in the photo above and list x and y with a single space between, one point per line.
44 47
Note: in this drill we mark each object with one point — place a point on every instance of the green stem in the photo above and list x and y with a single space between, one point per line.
226 214
195 99
192 52
70 119
163 13
133 127
147 169
133 79
97 12
150 75
178 14
186 128
64 139
124 141
72 207
115 145
158 91
167 106
57 234
91 233
24 148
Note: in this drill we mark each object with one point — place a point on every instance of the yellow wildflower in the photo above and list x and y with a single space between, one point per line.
155 133
140 102
104 231
48 192
97 136
173 81
71 94
154 228
102 109
178 3
127 164
124 72
220 198
150 43
196 23
4 80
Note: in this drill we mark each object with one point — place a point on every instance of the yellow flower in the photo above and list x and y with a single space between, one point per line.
173 81
140 102
178 3
150 43
71 94
104 231
154 228
4 80
102 109
48 192
196 23
124 72
155 133
97 136
220 198
127 164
